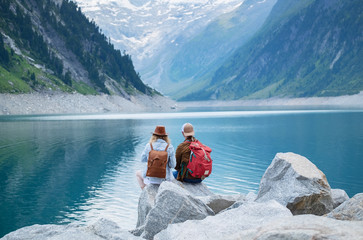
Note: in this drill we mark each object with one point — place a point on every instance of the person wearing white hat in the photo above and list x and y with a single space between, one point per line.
182 155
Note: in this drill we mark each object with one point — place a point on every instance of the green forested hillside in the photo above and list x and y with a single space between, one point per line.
313 48
50 45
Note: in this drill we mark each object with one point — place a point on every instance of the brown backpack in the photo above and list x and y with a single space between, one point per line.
156 164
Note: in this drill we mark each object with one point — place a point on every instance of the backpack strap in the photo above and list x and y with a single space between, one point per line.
164 150
181 173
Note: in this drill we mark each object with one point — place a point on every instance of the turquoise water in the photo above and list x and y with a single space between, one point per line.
61 169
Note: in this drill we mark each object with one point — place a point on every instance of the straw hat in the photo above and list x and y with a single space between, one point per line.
188 130
160 131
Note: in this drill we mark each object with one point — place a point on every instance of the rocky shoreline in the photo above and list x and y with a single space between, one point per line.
294 201
355 101
66 103
63 103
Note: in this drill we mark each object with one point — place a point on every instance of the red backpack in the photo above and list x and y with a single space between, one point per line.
200 162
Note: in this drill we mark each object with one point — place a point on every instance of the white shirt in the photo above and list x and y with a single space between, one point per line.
159 145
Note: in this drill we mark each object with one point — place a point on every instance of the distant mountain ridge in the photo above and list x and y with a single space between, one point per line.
254 49
195 50
152 32
50 45
305 48
195 62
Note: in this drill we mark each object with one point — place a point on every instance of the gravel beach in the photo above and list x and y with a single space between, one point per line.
62 103
349 101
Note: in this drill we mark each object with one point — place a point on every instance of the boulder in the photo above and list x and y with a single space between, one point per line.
296 183
302 227
250 197
107 229
262 221
146 203
196 190
100 230
148 196
249 215
351 209
173 204
339 196
219 203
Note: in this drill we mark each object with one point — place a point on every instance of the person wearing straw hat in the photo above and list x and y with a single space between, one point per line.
159 142
183 155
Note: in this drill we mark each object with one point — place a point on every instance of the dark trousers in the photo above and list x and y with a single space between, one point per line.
198 180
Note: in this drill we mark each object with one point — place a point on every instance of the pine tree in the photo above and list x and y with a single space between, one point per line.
4 55
67 78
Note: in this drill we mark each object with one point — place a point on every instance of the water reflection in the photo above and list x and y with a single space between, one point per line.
50 170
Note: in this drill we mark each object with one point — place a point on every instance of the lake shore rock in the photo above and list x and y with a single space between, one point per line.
262 221
339 196
247 216
302 227
173 203
351 210
296 183
176 210
100 230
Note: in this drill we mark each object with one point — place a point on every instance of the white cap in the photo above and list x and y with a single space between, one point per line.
188 130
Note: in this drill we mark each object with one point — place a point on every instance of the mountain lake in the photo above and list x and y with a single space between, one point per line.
59 169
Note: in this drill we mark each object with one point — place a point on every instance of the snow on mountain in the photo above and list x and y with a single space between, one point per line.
151 30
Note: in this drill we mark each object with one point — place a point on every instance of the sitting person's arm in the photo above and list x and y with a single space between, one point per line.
172 160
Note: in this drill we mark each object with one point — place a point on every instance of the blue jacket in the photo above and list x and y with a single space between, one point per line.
159 145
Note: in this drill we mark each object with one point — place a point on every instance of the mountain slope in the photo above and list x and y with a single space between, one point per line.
208 49
311 49
154 31
51 46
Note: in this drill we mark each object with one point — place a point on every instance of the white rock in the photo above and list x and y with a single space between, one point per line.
297 183
146 203
107 229
303 227
351 209
219 203
100 230
339 196
251 196
173 204
248 216
195 190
